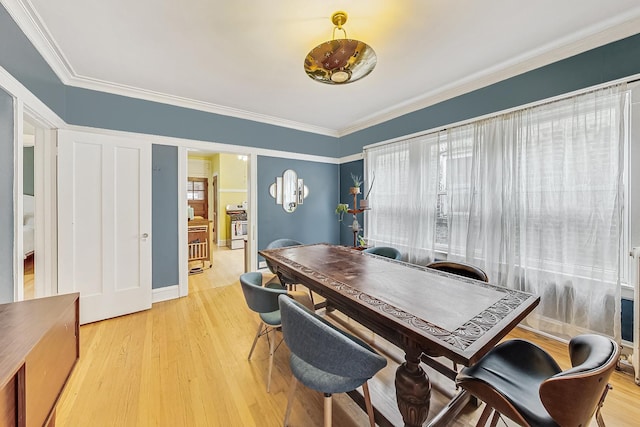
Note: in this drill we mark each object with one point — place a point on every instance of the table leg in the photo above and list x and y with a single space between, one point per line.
413 389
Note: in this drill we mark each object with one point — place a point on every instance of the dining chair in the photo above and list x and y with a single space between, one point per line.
524 383
385 251
325 358
282 243
264 301
460 268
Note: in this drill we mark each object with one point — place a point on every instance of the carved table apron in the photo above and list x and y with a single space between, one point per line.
425 312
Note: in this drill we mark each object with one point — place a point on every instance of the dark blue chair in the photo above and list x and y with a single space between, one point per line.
522 381
325 358
264 301
282 243
384 251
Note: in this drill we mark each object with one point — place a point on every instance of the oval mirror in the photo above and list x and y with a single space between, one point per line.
289 190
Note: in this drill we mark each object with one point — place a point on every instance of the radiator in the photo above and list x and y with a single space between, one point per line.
635 357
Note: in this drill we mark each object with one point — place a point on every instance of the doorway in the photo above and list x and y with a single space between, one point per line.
225 177
28 208
38 198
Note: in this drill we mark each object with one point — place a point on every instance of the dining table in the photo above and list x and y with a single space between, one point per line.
427 313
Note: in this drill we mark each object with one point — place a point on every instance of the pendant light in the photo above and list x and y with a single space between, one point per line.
340 61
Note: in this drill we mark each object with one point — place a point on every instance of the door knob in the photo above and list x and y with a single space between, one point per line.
145 235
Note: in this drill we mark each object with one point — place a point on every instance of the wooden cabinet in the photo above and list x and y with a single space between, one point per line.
39 346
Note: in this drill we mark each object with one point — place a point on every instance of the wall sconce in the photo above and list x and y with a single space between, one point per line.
289 190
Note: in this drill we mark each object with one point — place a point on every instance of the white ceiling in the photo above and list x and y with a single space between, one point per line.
245 58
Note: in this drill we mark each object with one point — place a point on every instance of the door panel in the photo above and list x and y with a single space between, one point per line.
104 223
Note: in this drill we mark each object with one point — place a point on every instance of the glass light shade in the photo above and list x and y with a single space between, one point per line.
340 61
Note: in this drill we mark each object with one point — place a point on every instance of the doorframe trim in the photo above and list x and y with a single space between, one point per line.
26 101
40 110
183 256
18 211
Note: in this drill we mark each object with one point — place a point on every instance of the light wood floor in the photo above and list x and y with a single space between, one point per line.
184 363
29 277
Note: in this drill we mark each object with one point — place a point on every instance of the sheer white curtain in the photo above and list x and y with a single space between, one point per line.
533 197
402 198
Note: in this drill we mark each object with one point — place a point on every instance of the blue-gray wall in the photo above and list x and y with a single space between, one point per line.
311 222
86 107
92 108
346 169
6 197
102 110
610 62
27 171
22 61
164 205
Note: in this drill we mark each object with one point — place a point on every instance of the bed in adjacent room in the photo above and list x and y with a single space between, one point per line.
28 224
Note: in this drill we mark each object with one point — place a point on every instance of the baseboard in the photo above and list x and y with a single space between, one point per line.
165 294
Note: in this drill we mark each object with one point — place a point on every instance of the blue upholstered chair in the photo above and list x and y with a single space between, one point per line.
325 358
264 301
282 243
384 251
521 381
461 269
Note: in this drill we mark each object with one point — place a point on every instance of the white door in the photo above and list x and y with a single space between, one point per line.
104 223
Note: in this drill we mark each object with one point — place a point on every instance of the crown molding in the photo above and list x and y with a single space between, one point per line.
149 95
589 38
32 25
605 32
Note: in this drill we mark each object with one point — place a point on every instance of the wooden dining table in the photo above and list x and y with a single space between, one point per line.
425 312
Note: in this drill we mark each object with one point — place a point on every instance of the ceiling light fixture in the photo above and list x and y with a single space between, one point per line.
340 61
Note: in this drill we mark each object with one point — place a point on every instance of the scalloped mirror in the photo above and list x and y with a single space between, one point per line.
289 190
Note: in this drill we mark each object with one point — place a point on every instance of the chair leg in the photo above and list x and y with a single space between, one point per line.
455 368
327 410
367 403
292 393
272 345
486 413
495 419
255 340
599 418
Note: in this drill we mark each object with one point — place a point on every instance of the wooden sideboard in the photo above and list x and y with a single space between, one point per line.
39 346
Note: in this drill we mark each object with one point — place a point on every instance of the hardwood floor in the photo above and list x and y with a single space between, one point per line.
184 363
29 271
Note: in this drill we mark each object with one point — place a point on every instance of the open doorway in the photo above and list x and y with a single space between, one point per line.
214 182
28 208
37 224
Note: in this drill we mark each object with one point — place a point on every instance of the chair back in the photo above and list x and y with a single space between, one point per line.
259 298
280 243
324 346
460 268
572 396
384 251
